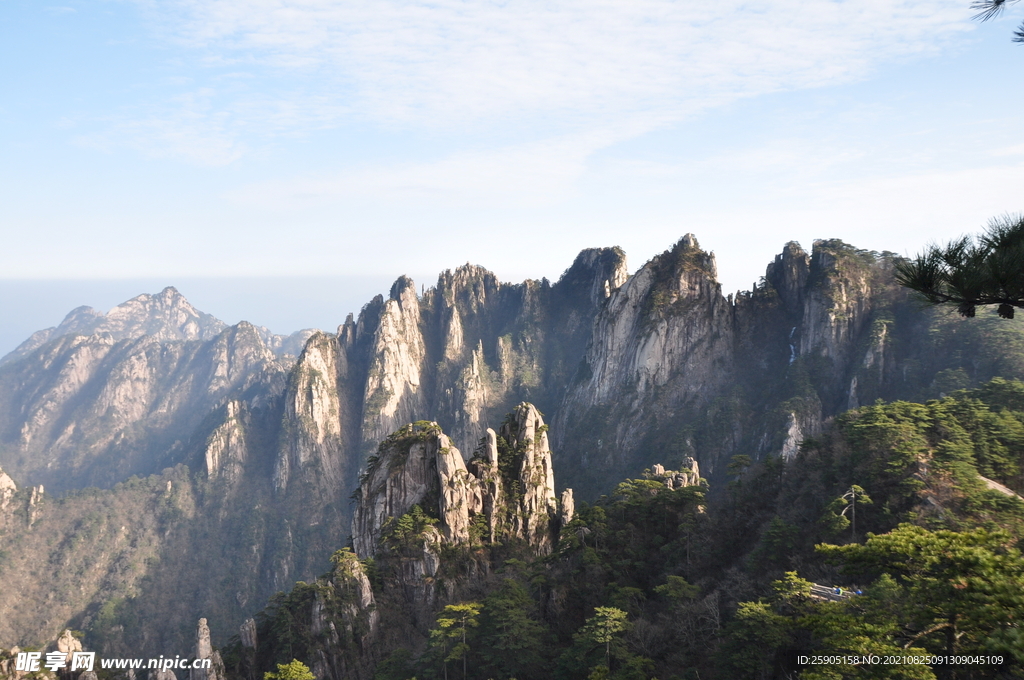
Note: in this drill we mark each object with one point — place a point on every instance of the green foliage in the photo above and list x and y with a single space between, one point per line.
397 666
968 273
597 643
676 589
511 638
752 640
400 440
667 269
294 670
963 592
407 530
451 639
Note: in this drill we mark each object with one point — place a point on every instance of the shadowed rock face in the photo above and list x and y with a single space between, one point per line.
674 367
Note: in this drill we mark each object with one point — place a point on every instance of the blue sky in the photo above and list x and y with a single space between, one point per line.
187 140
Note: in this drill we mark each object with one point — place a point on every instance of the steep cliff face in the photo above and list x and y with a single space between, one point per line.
472 347
663 342
510 489
227 448
394 392
673 366
316 417
667 321
837 305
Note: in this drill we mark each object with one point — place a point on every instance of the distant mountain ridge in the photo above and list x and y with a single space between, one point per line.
164 316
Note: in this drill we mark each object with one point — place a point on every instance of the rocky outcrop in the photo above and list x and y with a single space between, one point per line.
667 321
663 340
526 435
204 650
689 475
247 634
794 437
226 449
419 466
787 275
7 489
566 508
66 644
837 304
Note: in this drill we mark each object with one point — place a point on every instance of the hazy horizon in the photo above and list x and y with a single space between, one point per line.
284 304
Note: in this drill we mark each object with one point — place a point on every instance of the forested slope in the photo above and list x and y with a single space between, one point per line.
655 581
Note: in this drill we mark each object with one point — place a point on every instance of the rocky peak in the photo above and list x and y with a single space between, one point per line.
68 644
419 466
79 321
788 275
653 326
403 291
204 650
416 465
596 272
393 393
838 300
469 287
526 435
314 411
167 315
692 266
226 448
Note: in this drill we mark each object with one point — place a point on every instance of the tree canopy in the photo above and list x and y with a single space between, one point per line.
972 272
294 670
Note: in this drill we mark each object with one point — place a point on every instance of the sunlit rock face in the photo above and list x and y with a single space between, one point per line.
419 466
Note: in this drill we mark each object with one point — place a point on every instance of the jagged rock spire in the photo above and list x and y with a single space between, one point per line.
419 465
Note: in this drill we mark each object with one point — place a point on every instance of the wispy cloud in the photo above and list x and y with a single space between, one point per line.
518 175
1016 150
451 63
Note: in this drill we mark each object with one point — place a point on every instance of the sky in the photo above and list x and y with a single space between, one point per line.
282 160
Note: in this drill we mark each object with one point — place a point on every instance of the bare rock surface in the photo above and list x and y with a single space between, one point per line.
419 466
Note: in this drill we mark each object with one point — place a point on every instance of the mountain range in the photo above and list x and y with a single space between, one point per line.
160 466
